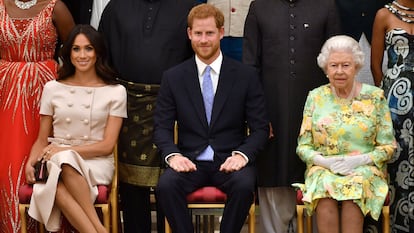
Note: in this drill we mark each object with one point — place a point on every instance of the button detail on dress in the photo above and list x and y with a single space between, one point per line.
70 104
72 90
233 9
86 121
85 137
68 120
68 136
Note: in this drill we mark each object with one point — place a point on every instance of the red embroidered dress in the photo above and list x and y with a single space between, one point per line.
27 47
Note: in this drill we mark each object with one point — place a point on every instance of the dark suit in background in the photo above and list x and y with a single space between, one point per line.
81 10
357 16
282 39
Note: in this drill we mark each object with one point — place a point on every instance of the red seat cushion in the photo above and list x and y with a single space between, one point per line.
25 194
103 194
299 196
207 195
387 200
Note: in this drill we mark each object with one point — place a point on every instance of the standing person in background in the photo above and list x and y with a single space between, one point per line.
285 55
28 38
86 11
145 38
81 10
394 32
235 12
98 7
357 19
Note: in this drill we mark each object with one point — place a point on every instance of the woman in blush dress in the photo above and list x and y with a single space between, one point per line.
80 118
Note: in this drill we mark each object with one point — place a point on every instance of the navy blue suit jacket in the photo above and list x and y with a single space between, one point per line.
238 103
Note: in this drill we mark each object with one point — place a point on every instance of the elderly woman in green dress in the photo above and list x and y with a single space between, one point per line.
345 140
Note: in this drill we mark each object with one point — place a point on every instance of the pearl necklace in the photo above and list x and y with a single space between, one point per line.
350 95
25 5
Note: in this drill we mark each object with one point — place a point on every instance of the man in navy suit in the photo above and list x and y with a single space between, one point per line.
213 151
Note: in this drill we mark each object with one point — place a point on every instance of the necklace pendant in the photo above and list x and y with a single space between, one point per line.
25 5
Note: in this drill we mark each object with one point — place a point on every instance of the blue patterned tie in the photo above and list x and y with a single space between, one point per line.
208 93
208 97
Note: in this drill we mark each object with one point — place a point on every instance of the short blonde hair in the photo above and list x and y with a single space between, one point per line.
341 43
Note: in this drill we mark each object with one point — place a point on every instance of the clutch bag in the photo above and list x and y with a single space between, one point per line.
41 172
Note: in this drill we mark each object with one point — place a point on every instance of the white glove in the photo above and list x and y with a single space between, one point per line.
325 162
349 163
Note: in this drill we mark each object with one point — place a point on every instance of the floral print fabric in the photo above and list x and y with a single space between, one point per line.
339 127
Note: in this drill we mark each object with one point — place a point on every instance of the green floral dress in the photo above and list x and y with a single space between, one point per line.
339 127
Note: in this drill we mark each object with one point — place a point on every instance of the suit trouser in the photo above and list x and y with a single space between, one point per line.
277 208
173 187
135 203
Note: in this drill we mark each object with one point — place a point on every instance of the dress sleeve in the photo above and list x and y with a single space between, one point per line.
119 102
385 143
305 148
46 107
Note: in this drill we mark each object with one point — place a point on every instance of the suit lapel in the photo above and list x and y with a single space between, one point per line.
225 84
194 92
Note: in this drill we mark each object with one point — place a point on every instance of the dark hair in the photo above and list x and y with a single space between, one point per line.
102 67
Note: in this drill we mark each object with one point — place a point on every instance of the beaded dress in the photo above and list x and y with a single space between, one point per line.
27 47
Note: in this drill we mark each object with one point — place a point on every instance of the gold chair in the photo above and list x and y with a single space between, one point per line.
107 202
210 197
300 207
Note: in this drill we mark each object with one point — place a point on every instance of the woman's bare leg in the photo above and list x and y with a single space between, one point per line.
72 211
327 216
351 217
78 188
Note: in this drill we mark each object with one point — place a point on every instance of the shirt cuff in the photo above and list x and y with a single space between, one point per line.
242 154
169 156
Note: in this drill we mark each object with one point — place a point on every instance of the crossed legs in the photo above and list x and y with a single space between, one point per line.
73 199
